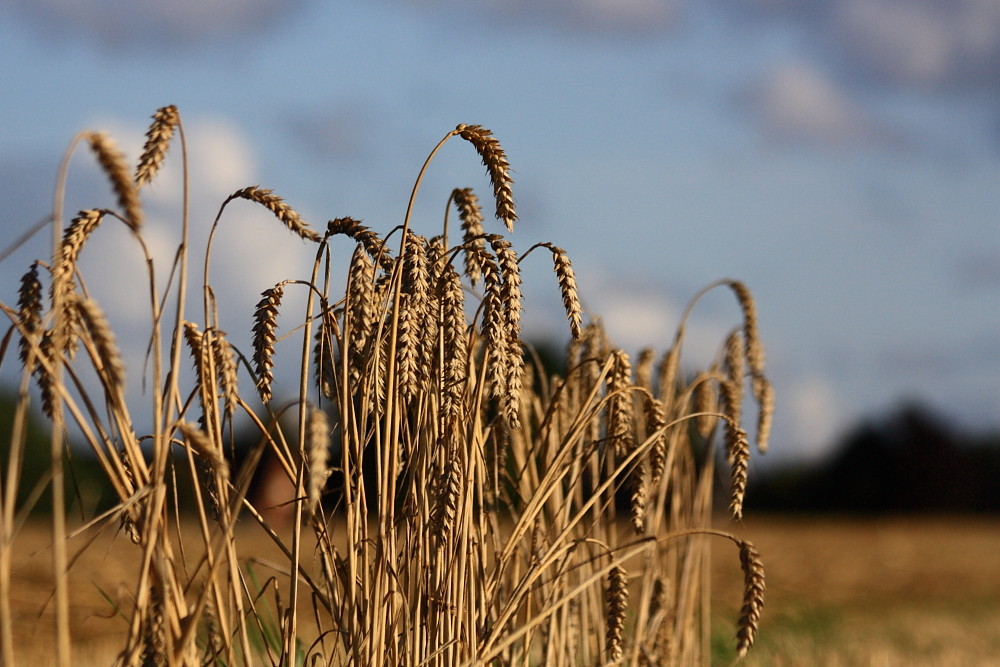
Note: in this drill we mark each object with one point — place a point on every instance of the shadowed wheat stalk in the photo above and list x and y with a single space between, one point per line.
448 499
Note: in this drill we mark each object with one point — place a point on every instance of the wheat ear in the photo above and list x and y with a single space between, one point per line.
319 456
617 600
471 215
281 210
266 322
165 121
497 167
753 597
113 163
29 307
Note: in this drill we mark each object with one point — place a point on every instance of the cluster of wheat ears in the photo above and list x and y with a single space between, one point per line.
513 516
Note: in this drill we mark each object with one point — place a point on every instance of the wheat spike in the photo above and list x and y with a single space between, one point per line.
656 420
113 163
497 167
319 456
765 396
100 332
471 216
205 448
567 286
281 210
266 318
226 368
620 408
29 309
739 454
753 597
373 244
165 121
617 601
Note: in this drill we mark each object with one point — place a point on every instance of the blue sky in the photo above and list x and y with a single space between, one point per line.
841 157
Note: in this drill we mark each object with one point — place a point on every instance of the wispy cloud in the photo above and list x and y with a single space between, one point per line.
149 26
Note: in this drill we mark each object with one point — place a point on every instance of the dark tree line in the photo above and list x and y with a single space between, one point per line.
910 460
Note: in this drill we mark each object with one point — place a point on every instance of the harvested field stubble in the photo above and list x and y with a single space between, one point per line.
452 501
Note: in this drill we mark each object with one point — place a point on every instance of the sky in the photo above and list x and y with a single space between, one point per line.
842 158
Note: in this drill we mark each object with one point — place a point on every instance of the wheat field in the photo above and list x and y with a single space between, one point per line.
451 500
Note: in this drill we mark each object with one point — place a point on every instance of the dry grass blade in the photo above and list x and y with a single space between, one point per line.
281 210
753 597
498 168
113 163
165 121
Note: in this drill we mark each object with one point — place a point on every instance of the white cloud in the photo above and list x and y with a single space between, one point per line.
921 41
812 414
142 25
799 103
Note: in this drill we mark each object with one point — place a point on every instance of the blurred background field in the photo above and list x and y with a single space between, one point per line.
919 590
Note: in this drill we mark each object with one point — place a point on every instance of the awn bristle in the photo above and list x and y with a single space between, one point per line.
281 210
319 457
617 600
753 597
498 168
739 454
165 121
113 163
266 318
471 215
